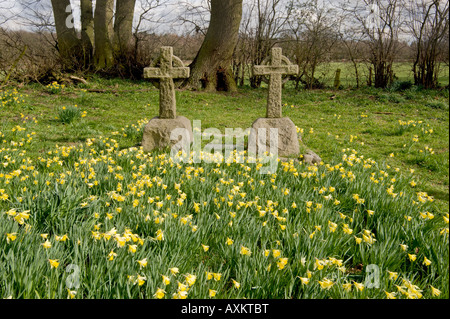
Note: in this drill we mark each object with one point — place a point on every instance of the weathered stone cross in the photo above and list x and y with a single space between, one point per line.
166 73
279 65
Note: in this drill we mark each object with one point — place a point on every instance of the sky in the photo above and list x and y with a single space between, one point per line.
163 18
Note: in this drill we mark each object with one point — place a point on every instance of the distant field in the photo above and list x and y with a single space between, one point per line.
403 71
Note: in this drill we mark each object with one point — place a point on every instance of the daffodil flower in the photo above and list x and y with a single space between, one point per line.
392 275
11 237
390 295
435 292
359 286
281 263
326 283
166 280
132 248
276 253
111 255
53 263
71 294
245 251
304 280
190 279
347 286
182 287
160 293
141 280
142 263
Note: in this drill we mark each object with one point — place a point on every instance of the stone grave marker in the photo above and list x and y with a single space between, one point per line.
158 132
279 65
275 67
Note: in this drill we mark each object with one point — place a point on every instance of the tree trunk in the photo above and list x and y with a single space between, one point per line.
123 28
87 31
68 42
103 20
211 69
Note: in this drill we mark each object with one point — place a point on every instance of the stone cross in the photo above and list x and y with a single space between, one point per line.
166 73
278 66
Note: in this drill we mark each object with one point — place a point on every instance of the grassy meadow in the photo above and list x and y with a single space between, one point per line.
85 213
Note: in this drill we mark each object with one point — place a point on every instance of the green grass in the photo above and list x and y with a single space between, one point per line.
402 71
69 177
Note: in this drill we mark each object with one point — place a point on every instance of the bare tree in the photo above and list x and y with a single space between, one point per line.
196 16
5 11
429 26
268 18
314 28
380 23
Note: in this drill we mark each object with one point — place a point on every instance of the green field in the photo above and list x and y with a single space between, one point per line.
402 72
71 165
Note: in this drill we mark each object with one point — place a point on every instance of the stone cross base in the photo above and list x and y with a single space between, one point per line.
288 144
159 133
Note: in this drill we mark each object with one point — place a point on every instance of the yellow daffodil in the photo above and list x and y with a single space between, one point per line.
159 235
319 264
426 261
326 283
435 292
11 237
205 248
160 293
245 251
276 253
304 280
53 263
190 279
347 286
182 287
390 295
111 255
142 263
174 271
166 280
281 263
392 275
71 294
132 248
212 293
141 280
359 286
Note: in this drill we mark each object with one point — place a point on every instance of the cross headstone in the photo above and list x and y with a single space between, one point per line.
279 65
165 74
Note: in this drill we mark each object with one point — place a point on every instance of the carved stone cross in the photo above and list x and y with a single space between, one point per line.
170 67
279 65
